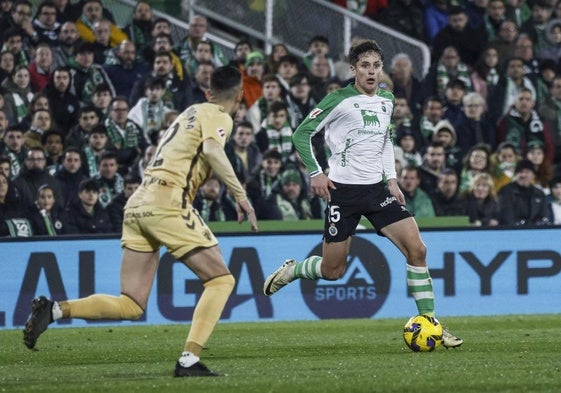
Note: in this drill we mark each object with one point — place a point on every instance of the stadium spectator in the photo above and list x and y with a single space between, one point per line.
435 17
68 39
53 143
288 67
137 170
319 46
197 32
150 110
446 199
277 51
506 92
97 144
140 29
271 92
434 162
163 43
20 20
477 160
522 124
66 11
254 66
536 27
242 48
406 140
276 132
78 135
10 208
12 41
485 74
5 8
299 99
115 209
551 49
7 63
475 127
524 49
178 92
481 202
203 53
12 147
291 202
45 217
550 111
264 181
126 70
124 134
417 201
213 202
32 176
554 201
45 23
433 111
17 94
535 153
92 12
109 181
102 48
453 102
86 215
446 68
521 202
503 162
201 82
41 121
458 33
101 99
86 74
445 133
505 41
494 16
243 145
41 67
405 84
406 16
70 175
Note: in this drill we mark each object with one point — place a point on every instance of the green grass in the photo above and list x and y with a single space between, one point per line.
500 354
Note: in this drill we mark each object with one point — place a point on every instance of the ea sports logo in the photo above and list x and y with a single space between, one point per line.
360 293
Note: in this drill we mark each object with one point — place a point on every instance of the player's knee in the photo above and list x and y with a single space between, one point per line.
332 273
130 309
226 283
417 255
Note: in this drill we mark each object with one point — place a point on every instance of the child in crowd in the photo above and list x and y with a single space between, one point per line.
149 112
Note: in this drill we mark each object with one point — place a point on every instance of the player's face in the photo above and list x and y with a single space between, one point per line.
367 72
46 199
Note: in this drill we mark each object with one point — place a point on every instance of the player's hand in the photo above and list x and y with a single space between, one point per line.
245 208
396 191
321 186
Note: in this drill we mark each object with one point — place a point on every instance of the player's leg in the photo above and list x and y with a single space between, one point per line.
208 264
137 274
406 236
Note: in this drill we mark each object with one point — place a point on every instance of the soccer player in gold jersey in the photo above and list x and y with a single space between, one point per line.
160 213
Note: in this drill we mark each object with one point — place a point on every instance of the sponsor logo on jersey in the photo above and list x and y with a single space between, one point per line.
315 113
221 133
369 118
360 293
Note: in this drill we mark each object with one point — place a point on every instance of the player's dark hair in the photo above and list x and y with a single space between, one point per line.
224 79
367 46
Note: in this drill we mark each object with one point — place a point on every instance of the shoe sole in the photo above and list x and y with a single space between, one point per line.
29 337
269 283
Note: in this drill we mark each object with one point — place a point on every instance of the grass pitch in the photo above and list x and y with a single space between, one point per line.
500 354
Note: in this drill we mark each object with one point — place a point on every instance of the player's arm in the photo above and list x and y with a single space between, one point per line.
218 160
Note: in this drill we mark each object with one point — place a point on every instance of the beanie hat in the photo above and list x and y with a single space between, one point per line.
291 176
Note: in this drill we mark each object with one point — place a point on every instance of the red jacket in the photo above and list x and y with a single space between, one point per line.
38 79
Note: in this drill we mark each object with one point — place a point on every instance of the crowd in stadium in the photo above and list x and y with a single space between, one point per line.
84 103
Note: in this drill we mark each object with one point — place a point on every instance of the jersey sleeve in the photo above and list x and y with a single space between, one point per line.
217 126
311 125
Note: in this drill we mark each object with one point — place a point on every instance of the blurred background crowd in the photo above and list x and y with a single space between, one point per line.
84 102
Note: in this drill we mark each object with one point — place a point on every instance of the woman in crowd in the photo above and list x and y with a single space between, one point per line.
481 201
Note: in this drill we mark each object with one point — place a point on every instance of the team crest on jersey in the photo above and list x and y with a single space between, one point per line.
333 230
369 118
315 113
221 133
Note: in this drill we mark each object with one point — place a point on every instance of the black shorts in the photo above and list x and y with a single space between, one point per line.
349 202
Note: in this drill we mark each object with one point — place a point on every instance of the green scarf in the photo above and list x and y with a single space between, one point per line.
443 76
123 138
91 161
48 222
280 140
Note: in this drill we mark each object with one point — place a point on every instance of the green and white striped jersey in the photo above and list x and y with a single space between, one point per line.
357 131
